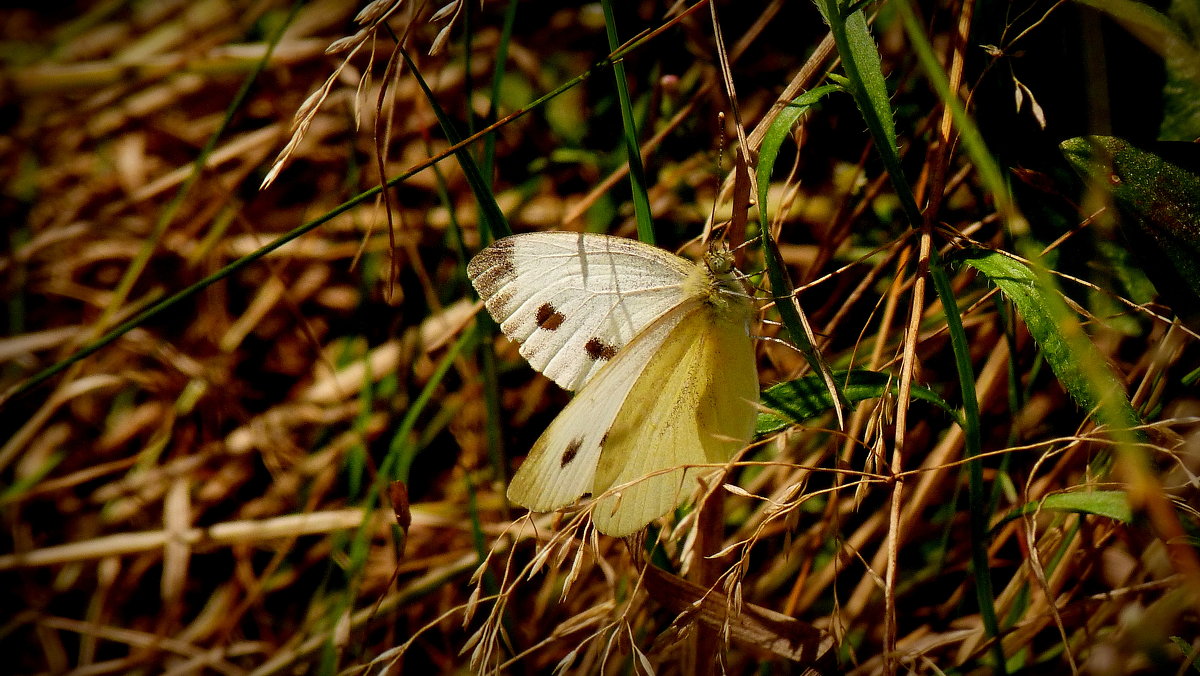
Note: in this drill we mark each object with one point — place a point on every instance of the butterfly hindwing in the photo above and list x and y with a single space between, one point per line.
693 404
575 300
681 393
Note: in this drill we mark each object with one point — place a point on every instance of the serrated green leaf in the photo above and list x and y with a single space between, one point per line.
798 400
870 73
865 81
1079 366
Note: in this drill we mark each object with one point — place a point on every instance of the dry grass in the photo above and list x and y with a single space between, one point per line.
212 490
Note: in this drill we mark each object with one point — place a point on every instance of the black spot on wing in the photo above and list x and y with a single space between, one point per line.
548 317
598 349
572 450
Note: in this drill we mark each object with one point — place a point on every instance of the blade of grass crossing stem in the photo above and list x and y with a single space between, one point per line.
493 221
781 286
637 174
864 79
977 493
972 141
192 289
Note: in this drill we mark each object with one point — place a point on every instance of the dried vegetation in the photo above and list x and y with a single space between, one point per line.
211 490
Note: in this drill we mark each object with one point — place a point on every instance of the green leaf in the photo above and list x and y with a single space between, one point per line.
779 131
865 81
1079 366
1185 647
781 285
1156 188
1110 504
868 74
798 400
633 153
493 218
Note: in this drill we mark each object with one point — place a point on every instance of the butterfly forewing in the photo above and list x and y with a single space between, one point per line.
561 466
575 300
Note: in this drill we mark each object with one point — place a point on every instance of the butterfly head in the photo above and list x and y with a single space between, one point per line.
719 284
719 260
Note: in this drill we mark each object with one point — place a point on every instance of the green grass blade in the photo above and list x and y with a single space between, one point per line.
1109 504
192 289
865 82
167 215
970 137
637 174
401 453
501 58
977 492
494 223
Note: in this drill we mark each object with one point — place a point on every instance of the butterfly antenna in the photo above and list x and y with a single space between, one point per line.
714 233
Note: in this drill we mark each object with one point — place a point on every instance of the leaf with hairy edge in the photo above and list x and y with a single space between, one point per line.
1079 366
865 81
1156 188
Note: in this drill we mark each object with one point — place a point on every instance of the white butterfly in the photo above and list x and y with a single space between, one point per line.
661 348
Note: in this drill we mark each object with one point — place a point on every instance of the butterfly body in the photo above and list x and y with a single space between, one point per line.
659 349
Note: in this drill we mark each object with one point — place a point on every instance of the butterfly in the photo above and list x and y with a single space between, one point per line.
659 350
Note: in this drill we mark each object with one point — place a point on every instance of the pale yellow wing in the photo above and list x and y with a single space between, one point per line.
681 393
561 466
693 404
